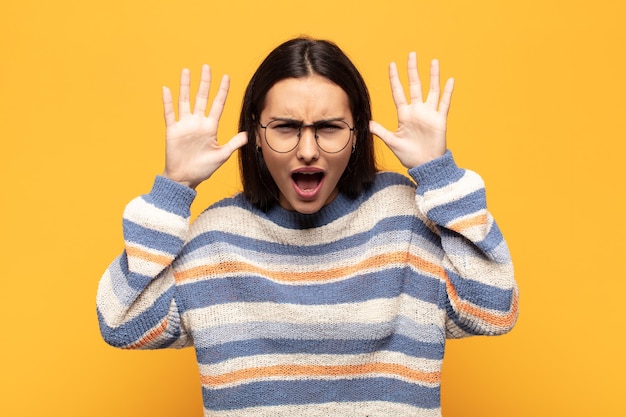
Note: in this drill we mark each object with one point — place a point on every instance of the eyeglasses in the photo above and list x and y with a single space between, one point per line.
283 135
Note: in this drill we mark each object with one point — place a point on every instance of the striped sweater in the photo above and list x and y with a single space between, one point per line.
343 312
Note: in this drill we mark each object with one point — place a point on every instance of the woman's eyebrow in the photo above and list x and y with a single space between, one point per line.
329 120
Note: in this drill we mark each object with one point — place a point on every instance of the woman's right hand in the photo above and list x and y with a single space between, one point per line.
192 153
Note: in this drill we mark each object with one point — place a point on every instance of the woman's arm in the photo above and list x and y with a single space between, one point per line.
136 298
136 301
481 295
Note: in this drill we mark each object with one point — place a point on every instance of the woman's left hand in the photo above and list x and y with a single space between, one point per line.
421 133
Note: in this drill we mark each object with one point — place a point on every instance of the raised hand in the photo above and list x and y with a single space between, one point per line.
421 133
192 152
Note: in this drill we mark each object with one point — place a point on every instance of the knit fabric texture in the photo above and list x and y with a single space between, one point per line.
344 312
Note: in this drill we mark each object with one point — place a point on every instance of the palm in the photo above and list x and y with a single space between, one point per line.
192 151
420 120
421 133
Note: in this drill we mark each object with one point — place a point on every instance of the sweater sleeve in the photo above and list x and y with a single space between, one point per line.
481 295
136 301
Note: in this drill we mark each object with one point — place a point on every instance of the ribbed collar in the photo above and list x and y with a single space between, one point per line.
340 206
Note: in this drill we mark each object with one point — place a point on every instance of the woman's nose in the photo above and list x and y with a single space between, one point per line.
307 146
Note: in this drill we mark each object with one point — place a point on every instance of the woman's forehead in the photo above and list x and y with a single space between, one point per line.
305 98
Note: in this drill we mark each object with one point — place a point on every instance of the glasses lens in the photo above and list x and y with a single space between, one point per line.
331 137
281 135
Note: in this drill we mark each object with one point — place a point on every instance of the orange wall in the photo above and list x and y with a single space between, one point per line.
538 110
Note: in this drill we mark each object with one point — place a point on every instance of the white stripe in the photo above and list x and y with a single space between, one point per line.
467 184
367 312
429 332
350 409
147 215
302 359
394 200
473 268
320 270
109 305
143 266
114 311
380 244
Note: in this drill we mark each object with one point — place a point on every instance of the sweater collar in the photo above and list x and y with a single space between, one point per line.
340 206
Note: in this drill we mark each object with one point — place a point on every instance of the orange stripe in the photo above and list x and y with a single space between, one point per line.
338 273
147 256
154 333
426 266
499 320
293 276
321 370
459 226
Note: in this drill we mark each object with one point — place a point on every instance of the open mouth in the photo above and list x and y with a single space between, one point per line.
307 181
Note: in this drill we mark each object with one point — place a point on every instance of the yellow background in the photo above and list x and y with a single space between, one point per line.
538 110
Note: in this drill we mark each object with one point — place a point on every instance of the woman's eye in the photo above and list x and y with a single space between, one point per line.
328 128
286 128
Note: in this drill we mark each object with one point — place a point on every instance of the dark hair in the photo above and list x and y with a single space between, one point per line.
297 58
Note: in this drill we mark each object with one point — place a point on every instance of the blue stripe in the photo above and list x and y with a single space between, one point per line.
221 334
400 224
482 295
125 292
437 173
469 203
500 253
311 391
492 240
389 178
341 206
133 330
136 282
401 241
490 247
469 325
170 196
265 346
382 284
473 329
485 247
135 233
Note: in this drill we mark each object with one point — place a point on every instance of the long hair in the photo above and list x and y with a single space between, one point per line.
297 58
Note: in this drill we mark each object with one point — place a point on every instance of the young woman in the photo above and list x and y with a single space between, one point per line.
325 287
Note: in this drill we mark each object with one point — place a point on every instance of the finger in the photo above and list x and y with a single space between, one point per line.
236 142
446 99
415 85
397 91
202 96
225 151
183 95
433 93
378 129
220 99
168 108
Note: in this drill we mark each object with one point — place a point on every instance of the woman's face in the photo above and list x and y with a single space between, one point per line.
306 176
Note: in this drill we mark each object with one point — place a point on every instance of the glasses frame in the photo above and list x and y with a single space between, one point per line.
313 126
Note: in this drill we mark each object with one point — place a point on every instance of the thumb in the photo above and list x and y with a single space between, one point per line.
236 142
378 129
